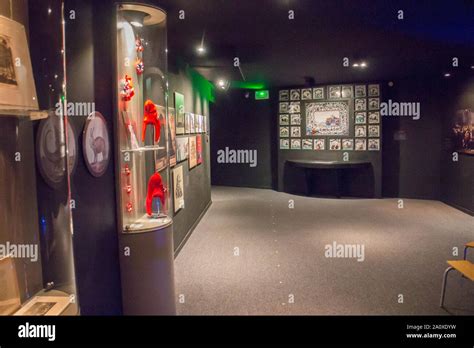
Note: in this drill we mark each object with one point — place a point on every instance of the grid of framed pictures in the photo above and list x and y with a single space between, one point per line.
334 118
194 123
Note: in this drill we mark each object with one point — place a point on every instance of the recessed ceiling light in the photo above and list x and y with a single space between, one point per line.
49 10
447 75
201 49
363 64
472 66
355 65
136 24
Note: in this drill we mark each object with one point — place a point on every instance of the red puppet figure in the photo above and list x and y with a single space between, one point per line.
155 189
150 117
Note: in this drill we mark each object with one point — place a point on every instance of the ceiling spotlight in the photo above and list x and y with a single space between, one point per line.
472 66
363 64
447 75
201 49
49 10
136 24
355 65
223 84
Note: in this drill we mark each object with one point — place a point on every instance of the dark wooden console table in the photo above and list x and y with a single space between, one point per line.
309 165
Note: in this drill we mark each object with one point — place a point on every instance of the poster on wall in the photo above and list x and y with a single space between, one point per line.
17 85
178 188
327 118
160 155
199 148
179 107
463 131
182 149
192 152
172 136
188 123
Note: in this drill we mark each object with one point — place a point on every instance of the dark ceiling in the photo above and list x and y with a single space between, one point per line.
282 52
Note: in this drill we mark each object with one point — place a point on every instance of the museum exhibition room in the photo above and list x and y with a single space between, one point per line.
236 158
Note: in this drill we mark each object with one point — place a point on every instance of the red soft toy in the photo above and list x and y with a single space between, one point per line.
150 117
155 189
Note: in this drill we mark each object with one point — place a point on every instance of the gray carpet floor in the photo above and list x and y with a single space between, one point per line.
280 266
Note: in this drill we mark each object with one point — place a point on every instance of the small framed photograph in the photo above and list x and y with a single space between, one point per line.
360 144
284 120
347 92
284 107
360 91
318 93
294 108
348 144
360 104
334 144
284 132
374 131
295 144
306 94
296 119
284 95
295 94
374 103
374 90
374 144
319 144
296 132
360 118
307 144
360 131
334 92
374 117
284 144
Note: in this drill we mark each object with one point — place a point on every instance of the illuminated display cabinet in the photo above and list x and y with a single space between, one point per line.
143 179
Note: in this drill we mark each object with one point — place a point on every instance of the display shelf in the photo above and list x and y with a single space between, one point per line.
146 223
33 115
144 149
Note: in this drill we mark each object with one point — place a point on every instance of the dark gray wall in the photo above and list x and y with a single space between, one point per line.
242 123
457 178
197 186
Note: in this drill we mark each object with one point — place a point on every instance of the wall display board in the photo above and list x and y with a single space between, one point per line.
179 107
178 188
330 123
192 152
182 149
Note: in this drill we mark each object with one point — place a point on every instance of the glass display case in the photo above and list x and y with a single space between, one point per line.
142 97
38 152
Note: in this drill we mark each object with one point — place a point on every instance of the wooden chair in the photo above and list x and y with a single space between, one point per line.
466 268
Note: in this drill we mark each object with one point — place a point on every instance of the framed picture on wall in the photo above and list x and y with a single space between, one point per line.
348 144
296 119
327 118
374 131
284 144
374 90
199 149
374 144
462 131
192 152
295 94
360 118
319 144
334 144
374 117
334 92
17 85
347 92
360 131
360 144
284 107
188 119
284 132
178 188
360 91
295 144
307 144
284 95
295 132
172 136
318 93
360 104
179 107
294 108
182 149
306 94
374 103
284 120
